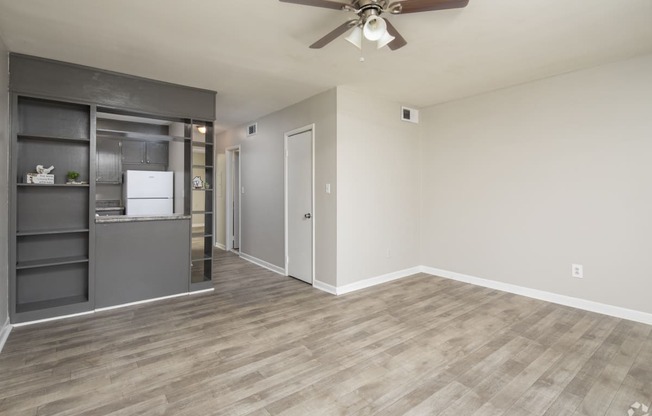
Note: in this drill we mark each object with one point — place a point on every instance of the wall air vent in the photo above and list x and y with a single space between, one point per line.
409 114
252 129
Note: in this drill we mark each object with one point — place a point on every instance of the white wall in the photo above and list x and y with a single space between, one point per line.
4 196
262 176
520 183
378 197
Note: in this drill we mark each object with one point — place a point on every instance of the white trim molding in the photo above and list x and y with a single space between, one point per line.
324 287
220 246
587 305
363 284
140 302
4 333
109 308
56 318
262 263
373 281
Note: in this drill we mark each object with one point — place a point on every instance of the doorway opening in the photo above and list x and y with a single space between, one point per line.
233 199
299 204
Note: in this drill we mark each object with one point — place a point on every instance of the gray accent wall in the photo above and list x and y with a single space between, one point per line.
263 209
520 183
62 80
4 195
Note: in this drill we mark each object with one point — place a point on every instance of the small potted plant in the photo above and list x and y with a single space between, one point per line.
72 177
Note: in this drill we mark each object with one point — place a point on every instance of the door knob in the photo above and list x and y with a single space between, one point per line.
308 216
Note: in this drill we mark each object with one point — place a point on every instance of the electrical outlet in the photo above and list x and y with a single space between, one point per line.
577 270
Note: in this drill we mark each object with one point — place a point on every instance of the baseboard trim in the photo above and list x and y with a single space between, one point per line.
4 333
373 281
263 263
220 246
141 302
109 308
587 305
55 318
324 287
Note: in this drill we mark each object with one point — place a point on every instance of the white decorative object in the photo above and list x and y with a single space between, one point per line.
197 183
40 169
38 178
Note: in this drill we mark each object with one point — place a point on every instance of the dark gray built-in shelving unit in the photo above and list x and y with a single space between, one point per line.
51 244
202 207
59 118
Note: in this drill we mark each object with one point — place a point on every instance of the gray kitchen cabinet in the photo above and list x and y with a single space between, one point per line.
143 153
109 161
140 260
157 153
133 152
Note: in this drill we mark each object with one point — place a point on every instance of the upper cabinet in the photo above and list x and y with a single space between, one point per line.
108 161
156 153
133 152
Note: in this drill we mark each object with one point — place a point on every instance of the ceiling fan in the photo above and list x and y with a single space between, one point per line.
368 22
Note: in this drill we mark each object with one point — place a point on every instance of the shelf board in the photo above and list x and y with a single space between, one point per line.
53 185
203 190
201 234
56 138
201 144
138 136
52 231
202 259
203 166
58 261
202 212
50 303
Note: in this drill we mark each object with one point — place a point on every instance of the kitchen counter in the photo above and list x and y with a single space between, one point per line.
135 218
138 259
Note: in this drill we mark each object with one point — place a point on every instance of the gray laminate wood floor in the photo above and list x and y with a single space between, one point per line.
263 344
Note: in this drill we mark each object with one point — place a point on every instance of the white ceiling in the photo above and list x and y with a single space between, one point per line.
255 52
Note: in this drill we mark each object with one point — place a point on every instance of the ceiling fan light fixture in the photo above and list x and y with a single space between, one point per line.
355 37
374 28
385 40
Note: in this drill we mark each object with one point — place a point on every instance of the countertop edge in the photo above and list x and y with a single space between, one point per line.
112 219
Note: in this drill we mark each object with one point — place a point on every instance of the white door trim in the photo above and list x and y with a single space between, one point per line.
230 151
310 128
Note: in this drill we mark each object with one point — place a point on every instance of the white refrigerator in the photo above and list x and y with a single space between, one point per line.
148 192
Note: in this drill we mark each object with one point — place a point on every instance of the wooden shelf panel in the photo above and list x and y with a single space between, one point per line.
51 262
202 259
55 138
53 185
200 234
52 231
51 303
138 136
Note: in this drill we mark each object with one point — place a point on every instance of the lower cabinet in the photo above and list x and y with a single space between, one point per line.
140 260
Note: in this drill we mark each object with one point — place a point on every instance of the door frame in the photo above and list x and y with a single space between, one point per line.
310 128
230 153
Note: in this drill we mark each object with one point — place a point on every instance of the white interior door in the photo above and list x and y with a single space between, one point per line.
299 206
236 200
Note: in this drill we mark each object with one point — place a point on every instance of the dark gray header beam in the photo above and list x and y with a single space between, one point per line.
56 79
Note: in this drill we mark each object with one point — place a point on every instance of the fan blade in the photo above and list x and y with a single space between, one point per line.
415 6
397 43
334 34
319 3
